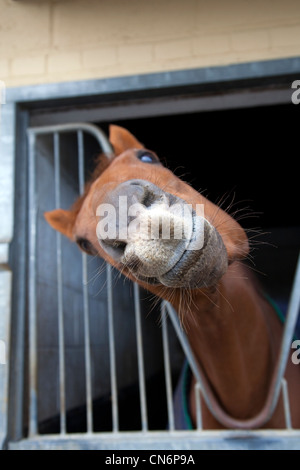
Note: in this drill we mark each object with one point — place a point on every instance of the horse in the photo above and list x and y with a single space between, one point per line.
129 203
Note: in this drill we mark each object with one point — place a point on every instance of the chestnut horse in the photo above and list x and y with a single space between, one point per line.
233 330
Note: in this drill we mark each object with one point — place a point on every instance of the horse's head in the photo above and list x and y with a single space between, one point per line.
141 218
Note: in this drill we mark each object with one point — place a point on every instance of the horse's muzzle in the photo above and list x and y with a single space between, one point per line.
159 237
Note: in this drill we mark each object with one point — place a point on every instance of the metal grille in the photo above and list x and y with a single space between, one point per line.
117 438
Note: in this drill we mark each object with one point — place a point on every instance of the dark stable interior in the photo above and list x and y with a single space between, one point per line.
246 159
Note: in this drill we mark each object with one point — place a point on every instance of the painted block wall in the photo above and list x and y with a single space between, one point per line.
43 41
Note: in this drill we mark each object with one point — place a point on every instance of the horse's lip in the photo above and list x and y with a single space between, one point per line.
199 268
153 281
184 263
183 259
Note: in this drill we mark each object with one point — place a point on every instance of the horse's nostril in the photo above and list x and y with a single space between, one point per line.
120 245
133 262
148 198
115 246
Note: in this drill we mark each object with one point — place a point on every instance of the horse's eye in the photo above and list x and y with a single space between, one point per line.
86 246
147 157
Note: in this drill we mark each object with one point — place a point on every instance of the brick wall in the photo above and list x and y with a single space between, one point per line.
44 41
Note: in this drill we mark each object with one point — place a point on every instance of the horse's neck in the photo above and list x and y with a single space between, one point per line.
230 333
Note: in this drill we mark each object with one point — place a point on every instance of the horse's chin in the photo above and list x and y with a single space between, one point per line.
195 268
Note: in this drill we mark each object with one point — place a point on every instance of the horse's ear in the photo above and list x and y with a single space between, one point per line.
121 139
61 220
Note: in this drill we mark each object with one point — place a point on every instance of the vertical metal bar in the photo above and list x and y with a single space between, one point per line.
287 338
167 369
112 350
87 345
142 387
183 339
286 404
198 406
18 258
61 337
80 145
32 327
